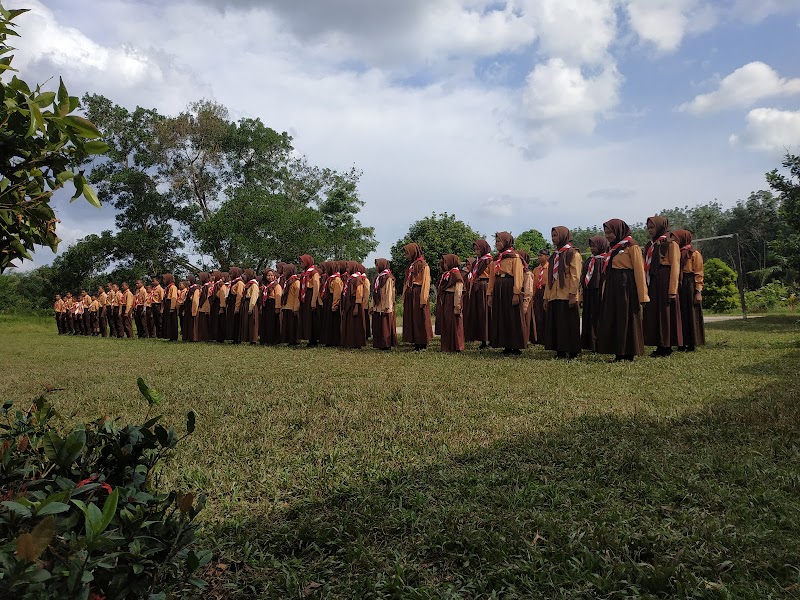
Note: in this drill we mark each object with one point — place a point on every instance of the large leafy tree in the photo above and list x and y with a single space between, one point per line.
345 236
531 241
788 189
438 234
42 145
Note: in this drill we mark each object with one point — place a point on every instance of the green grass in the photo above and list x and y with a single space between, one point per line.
366 474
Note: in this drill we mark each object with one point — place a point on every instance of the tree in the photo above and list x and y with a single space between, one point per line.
788 190
42 144
437 235
531 241
345 236
719 288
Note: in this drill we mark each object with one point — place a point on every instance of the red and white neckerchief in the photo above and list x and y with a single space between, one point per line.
507 253
249 283
231 284
686 247
307 274
289 282
473 272
650 255
446 275
590 270
557 259
268 289
540 278
411 268
356 275
377 283
619 245
328 280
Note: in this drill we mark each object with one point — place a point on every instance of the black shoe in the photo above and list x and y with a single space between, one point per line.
572 355
561 355
623 358
506 352
516 352
483 346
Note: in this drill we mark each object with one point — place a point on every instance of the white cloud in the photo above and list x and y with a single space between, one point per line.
770 130
753 11
664 23
745 86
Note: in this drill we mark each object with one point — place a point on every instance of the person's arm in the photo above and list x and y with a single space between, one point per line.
459 291
637 263
128 302
425 289
315 287
490 287
674 256
389 294
697 263
195 302
277 293
574 278
254 292
519 279
336 287
527 291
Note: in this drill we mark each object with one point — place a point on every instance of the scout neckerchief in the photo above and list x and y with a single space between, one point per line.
249 283
612 252
540 278
288 285
304 281
231 284
355 275
507 253
557 259
446 275
377 283
686 247
268 289
409 273
327 281
650 255
473 272
590 270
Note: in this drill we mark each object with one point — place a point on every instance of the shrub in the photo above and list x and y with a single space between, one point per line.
80 517
719 290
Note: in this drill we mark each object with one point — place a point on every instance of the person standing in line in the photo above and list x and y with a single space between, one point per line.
623 292
58 308
251 308
690 292
365 298
384 326
189 313
213 301
309 298
156 306
528 320
540 275
662 315
94 317
139 313
354 332
270 322
78 315
127 310
182 290
169 319
102 299
449 304
120 309
332 299
591 291
234 305
325 269
87 317
203 314
477 314
506 281
290 305
562 331
69 307
221 293
417 328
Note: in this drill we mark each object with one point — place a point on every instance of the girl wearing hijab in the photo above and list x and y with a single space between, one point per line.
362 270
213 301
476 318
540 275
170 325
354 327
331 298
662 267
221 304
384 326
270 320
449 321
504 294
562 328
623 291
416 291
309 299
290 306
250 308
181 299
202 317
528 320
234 305
590 291
690 292
189 311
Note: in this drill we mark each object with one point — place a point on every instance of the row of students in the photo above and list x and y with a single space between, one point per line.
630 298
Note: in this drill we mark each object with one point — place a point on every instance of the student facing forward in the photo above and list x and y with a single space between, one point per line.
662 267
417 328
449 322
476 321
506 281
562 329
690 292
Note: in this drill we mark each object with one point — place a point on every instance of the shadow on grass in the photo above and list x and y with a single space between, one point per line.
765 324
701 506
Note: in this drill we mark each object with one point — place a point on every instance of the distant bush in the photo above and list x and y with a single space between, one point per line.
80 517
719 289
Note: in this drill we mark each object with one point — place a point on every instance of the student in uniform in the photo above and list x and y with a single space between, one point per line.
528 320
325 269
290 305
270 322
540 275
331 299
384 326
94 315
169 320
120 311
102 299
156 305
181 291
251 308
189 311
362 271
449 304
234 305
562 328
69 307
221 294
591 291
213 309
662 267
87 317
58 308
623 291
139 314
126 310
354 331
203 314
477 314
690 292
506 280
417 328
309 299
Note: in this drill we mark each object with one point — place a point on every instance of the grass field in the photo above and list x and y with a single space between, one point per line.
366 474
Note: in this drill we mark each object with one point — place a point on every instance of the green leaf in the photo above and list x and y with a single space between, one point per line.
190 419
91 196
82 126
52 508
96 147
63 452
17 508
45 99
109 510
30 546
63 99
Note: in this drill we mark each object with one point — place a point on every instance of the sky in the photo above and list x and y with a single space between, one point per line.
511 115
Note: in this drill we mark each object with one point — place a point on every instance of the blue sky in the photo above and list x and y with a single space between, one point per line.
511 115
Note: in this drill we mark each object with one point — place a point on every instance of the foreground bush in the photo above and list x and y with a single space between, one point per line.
80 515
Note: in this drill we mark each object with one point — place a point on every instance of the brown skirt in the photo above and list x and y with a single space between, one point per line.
694 331
477 313
562 327
506 328
232 326
289 325
354 327
451 325
384 330
538 315
416 318
188 325
309 319
620 328
330 323
202 324
249 324
213 320
269 324
662 316
170 325
590 318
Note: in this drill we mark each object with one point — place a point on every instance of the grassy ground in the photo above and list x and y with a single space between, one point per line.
367 474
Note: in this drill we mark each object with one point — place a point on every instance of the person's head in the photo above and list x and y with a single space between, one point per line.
100 289
169 278
657 226
481 247
109 285
139 284
190 279
235 272
202 277
289 270
216 275
182 285
69 295
58 296
269 275
615 230
249 274
155 280
524 257
125 286
503 240
560 236
682 236
598 244
149 287
544 256
226 276
83 293
381 264
413 251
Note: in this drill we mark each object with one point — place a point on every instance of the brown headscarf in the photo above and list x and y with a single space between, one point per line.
168 278
601 243
413 252
235 272
684 239
289 271
249 274
451 272
561 237
381 265
662 228
480 264
506 238
306 261
525 258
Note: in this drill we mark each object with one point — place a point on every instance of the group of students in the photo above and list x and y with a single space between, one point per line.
629 298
